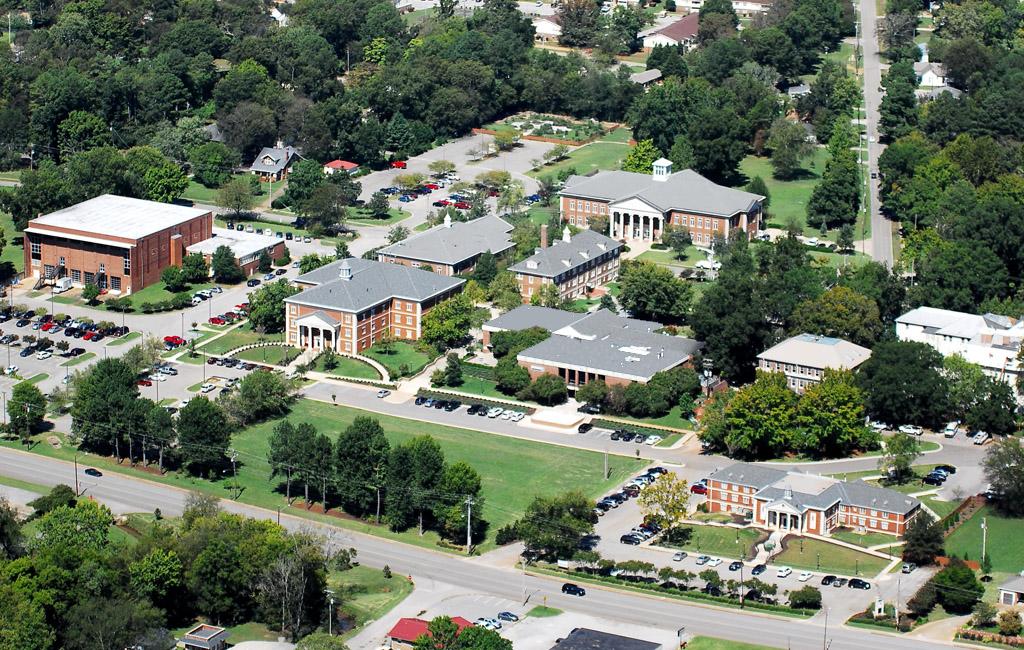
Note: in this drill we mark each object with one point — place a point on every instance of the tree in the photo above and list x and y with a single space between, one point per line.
203 436
547 389
959 276
554 526
225 267
103 405
666 499
259 396
265 262
26 409
835 200
760 416
453 370
678 239
321 641
195 268
901 450
994 409
441 168
1010 623
312 261
1004 470
59 495
174 279
984 614
593 392
157 577
788 144
236 195
957 588
652 292
81 131
480 638
397 233
459 483
82 527
266 306
830 417
840 312
212 163
360 461
90 293
923 539
447 323
903 383
425 471
579 20
378 206
510 377
641 157
898 112
807 597
283 454
486 268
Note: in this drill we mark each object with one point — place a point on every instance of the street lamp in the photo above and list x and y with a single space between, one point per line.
330 612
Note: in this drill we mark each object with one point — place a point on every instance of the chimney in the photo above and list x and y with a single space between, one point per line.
544 235
279 144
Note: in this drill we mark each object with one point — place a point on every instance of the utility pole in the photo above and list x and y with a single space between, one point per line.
606 463
234 471
899 583
469 524
522 563
77 492
824 636
330 612
984 537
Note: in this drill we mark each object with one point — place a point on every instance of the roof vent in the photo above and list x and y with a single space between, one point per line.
662 169
344 270
531 264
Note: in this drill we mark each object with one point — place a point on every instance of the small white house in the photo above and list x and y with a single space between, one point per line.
1011 592
680 32
931 75
546 28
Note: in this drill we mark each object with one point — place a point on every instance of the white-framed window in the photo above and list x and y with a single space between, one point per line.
115 284
127 262
76 276
37 250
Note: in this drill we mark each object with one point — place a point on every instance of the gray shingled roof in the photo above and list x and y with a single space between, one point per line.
586 639
686 191
647 76
756 476
563 256
371 283
1016 584
527 316
278 159
607 344
455 242
863 495
817 352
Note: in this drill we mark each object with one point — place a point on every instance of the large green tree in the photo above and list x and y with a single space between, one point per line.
760 418
653 292
266 306
1004 470
830 417
839 312
360 460
204 434
904 384
554 526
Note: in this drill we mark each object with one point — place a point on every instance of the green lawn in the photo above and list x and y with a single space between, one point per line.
668 257
349 367
622 135
13 252
606 153
202 194
543 611
366 594
1004 534
418 16
362 217
788 198
940 507
862 539
481 387
24 485
712 643
155 292
127 338
720 541
241 335
669 440
35 379
513 471
82 358
912 485
805 553
672 419
275 355
401 354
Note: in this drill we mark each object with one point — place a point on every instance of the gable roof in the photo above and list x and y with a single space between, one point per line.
455 242
647 76
923 67
410 629
526 316
684 29
817 352
562 256
371 283
1016 584
686 191
271 160
341 164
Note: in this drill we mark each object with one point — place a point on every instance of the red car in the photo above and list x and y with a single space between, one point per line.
699 488
443 203
174 340
462 205
47 326
433 186
144 382
242 307
398 164
88 336
217 321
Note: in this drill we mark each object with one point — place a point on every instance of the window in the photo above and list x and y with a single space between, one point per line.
50 270
103 268
691 220
127 262
61 262
37 250
115 284
90 278
76 276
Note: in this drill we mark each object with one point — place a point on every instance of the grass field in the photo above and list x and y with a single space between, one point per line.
861 539
241 335
366 594
669 440
788 198
711 643
127 338
349 367
606 153
721 541
35 379
203 194
82 358
24 485
833 558
1003 544
543 611
668 257
13 252
940 507
362 217
672 419
401 354
481 387
275 355
513 471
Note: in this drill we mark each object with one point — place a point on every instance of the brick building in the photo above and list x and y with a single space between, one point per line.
639 206
118 243
247 247
576 264
404 633
599 345
452 248
348 305
807 503
805 358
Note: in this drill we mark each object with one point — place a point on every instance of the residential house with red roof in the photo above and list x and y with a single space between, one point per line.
405 632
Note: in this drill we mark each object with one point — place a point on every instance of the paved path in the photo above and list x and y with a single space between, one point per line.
881 228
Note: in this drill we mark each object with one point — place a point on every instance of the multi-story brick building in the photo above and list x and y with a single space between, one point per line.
452 248
576 264
638 206
348 305
807 503
599 345
115 242
805 358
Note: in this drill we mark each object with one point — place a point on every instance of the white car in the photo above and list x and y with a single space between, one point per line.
653 440
184 403
483 622
911 429
382 393
951 428
783 572
11 370
44 354
879 426
517 416
207 387
715 561
156 376
506 415
495 412
981 438
804 576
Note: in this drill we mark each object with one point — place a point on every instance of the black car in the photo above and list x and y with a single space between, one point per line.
76 351
440 404
934 479
632 540
827 581
627 436
573 590
93 472
591 409
949 469
280 271
657 470
857 583
420 399
452 405
253 282
735 565
26 352
616 435
586 426
23 322
758 570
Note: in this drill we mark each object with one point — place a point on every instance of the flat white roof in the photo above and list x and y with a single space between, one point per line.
118 216
241 243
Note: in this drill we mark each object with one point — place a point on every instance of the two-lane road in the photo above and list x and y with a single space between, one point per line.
881 228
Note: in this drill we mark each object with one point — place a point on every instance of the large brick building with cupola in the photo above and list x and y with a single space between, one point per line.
639 206
800 503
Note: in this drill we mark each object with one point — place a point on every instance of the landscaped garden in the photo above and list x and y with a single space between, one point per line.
400 358
275 355
241 335
805 553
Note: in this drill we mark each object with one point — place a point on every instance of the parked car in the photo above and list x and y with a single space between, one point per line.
783 572
911 429
630 539
207 387
698 488
804 576
715 561
216 320
934 479
398 164
857 583
827 580
950 429
908 567
382 393
839 582
462 205
93 472
144 382
679 556
735 565
702 560
508 617
252 282
585 427
573 590
949 469
758 570
45 354
981 438
653 440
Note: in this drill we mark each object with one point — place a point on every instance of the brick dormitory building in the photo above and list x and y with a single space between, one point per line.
349 304
806 503
575 265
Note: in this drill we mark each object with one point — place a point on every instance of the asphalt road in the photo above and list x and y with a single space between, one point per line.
478 576
881 228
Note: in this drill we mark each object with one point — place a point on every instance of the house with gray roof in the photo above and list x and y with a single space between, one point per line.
576 264
1011 592
272 163
799 503
350 304
640 206
599 345
805 358
452 248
